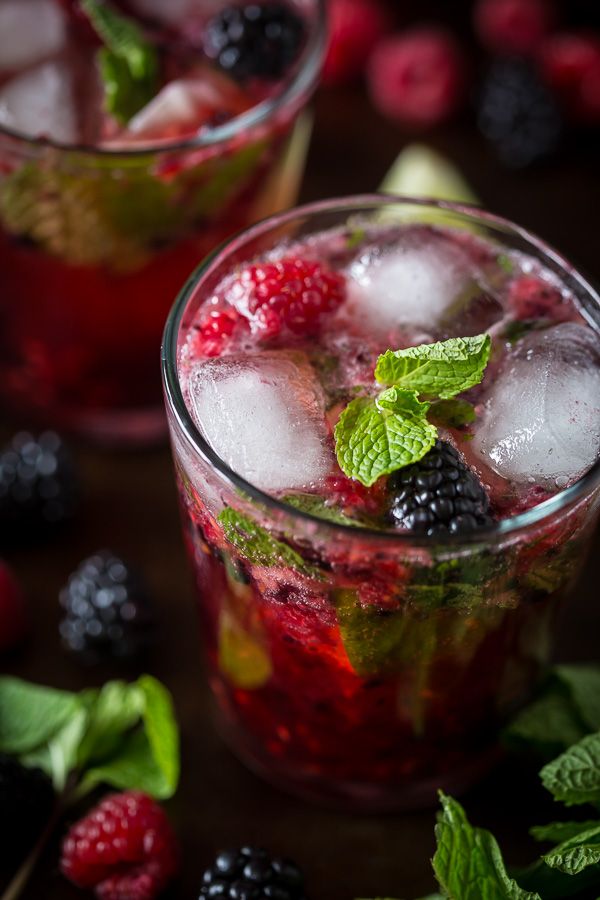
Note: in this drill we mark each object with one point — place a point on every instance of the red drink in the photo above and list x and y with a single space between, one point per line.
102 210
369 630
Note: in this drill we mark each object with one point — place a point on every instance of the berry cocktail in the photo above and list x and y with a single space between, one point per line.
386 428
134 137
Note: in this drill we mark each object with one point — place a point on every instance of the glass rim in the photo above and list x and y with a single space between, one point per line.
301 82
505 527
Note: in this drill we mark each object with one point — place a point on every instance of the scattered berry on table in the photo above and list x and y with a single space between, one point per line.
355 26
107 610
517 114
13 612
418 78
513 26
533 298
292 294
570 66
438 495
26 801
38 486
124 848
249 873
255 40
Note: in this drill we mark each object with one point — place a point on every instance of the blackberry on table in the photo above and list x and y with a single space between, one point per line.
38 485
249 873
518 114
438 495
26 801
256 40
107 610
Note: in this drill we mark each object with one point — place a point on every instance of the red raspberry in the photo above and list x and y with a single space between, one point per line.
124 849
13 613
352 495
355 26
290 293
214 332
570 65
513 26
533 298
418 78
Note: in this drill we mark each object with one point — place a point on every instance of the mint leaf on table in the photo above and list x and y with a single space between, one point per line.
574 777
316 506
583 684
452 413
258 547
31 714
549 724
561 831
576 853
443 369
128 63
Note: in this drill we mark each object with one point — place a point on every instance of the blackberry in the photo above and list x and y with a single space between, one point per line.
518 114
26 801
38 485
255 40
108 613
249 873
438 495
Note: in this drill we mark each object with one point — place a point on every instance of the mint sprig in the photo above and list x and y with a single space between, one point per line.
377 436
128 63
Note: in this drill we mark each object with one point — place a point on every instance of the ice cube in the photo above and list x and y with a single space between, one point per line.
542 416
30 31
264 416
425 283
39 103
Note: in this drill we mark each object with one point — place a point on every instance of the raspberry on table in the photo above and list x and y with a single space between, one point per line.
355 26
107 609
13 613
292 294
438 495
27 801
124 848
249 873
513 26
256 40
570 66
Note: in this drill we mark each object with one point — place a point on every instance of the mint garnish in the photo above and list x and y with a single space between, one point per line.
316 506
376 436
574 777
128 63
452 413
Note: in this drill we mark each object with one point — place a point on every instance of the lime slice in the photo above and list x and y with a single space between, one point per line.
242 658
421 172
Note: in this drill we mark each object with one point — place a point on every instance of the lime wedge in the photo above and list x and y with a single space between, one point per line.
242 658
420 171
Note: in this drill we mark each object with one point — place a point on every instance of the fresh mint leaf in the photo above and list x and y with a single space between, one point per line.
160 725
128 63
549 724
258 546
316 506
372 441
558 832
133 768
468 863
452 413
401 401
583 683
442 370
574 777
117 707
575 855
31 714
58 757
505 263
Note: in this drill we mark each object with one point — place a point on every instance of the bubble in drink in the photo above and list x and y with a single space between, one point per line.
264 416
30 31
542 415
40 102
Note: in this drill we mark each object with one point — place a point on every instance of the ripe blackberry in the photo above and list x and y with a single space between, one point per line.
26 801
518 115
107 609
38 488
438 495
255 40
249 873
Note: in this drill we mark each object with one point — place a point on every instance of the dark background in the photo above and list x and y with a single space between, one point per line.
129 504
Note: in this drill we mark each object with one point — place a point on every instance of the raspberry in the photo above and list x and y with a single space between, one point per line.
418 78
570 65
249 873
26 801
291 293
513 26
124 849
13 614
534 298
355 26
438 495
214 332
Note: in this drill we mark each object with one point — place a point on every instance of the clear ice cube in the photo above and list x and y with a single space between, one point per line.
39 103
30 31
541 421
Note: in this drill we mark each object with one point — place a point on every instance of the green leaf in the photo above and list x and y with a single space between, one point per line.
316 506
452 413
583 682
134 768
161 729
31 714
58 757
128 63
550 723
574 777
561 831
258 546
468 863
443 369
373 441
573 859
117 708
403 402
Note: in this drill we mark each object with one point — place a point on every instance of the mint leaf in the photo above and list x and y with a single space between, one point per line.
452 413
468 863
160 724
258 546
115 709
583 683
574 777
576 854
372 440
558 832
316 506
58 757
443 369
31 714
401 401
133 768
549 724
128 63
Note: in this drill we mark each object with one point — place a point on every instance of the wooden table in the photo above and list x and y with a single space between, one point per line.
130 504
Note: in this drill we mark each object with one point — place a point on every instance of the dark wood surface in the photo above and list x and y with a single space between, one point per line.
130 505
